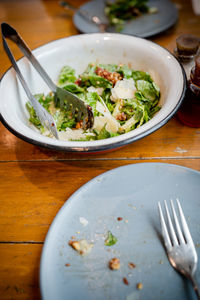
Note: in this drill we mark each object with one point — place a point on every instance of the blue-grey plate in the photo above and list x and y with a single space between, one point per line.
144 26
130 192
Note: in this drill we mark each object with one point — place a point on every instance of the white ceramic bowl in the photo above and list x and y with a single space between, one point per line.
78 51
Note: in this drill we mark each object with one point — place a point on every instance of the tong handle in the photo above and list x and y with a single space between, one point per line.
15 66
45 118
10 33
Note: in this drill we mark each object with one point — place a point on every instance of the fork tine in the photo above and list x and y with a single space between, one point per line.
179 232
173 234
186 231
165 234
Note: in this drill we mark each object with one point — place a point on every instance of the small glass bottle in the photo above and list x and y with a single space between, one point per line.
186 49
189 112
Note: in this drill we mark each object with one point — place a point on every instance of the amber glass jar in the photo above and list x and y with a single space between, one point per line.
187 46
189 112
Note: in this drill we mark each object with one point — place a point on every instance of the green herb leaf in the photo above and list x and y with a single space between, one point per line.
110 239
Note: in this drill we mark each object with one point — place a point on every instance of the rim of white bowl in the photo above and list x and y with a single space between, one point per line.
104 144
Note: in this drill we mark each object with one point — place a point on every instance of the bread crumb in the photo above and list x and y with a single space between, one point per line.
83 221
139 286
82 246
114 264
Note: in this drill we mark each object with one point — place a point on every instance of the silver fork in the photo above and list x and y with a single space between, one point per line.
86 15
179 244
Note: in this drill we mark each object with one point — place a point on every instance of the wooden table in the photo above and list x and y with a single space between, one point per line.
35 182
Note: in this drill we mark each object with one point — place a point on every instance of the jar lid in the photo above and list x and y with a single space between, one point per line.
187 44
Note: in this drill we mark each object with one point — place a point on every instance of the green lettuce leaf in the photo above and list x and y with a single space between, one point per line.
140 75
89 77
103 134
147 89
67 74
91 99
33 117
73 88
64 120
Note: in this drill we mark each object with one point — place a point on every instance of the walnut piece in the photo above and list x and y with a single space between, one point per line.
111 76
131 265
114 264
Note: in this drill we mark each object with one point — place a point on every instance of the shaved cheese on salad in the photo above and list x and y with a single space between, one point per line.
123 89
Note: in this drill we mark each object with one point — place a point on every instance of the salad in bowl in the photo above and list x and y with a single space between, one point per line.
121 99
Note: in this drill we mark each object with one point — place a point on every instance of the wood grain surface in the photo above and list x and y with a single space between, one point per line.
36 182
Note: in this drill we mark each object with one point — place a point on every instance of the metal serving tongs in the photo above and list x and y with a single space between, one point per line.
66 99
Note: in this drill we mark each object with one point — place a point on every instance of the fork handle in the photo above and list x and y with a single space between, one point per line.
195 286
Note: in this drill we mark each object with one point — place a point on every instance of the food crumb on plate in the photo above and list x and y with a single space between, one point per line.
67 265
114 264
83 221
139 286
125 281
110 239
81 246
119 219
131 265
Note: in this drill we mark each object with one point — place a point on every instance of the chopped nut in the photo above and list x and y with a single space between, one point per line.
119 219
114 264
75 245
73 237
67 265
139 286
121 116
125 281
79 124
111 76
131 265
